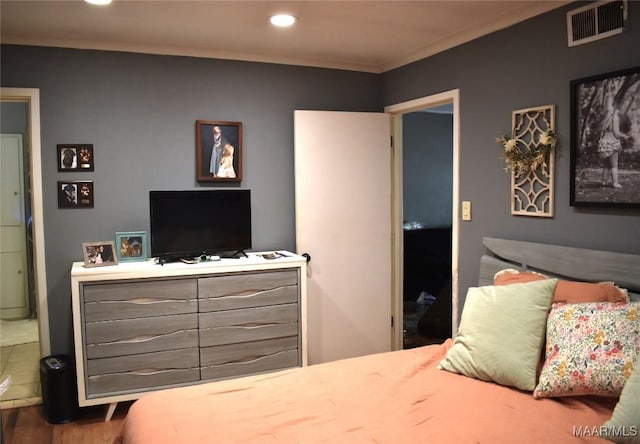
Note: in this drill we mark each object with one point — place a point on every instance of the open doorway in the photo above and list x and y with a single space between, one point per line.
426 221
427 176
25 326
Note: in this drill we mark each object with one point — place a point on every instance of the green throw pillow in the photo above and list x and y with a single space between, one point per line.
624 425
502 333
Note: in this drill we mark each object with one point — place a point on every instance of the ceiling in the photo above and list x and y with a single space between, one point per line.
369 36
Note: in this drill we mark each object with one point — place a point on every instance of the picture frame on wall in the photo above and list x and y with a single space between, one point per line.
75 157
218 151
131 246
605 140
99 254
75 194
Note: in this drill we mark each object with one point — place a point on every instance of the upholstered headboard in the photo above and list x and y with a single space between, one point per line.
559 261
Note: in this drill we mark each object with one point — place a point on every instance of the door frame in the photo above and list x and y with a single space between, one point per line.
31 96
397 111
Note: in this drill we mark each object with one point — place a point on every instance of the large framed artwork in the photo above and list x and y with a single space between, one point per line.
218 151
605 140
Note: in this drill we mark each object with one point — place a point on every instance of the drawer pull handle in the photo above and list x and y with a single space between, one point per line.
255 324
143 301
255 358
251 293
139 372
142 338
248 326
152 371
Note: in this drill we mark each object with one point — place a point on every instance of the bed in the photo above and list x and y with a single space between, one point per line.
484 386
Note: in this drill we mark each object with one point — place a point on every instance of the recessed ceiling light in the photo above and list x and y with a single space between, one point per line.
282 20
98 2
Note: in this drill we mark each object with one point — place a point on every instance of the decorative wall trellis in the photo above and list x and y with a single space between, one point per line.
532 193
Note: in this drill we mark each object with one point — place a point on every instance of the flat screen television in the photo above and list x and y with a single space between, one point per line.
186 224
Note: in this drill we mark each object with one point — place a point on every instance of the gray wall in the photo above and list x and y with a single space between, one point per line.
14 118
139 111
526 65
427 168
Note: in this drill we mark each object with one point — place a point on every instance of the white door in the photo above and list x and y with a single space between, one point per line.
13 259
343 221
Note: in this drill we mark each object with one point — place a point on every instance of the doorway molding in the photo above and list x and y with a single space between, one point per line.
396 111
31 96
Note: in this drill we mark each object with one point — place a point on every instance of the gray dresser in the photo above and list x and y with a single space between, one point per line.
141 327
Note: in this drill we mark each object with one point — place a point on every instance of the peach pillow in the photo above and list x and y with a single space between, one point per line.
570 292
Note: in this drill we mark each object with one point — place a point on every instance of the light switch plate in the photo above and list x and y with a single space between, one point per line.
466 210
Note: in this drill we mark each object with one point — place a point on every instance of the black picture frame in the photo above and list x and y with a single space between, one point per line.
605 106
224 163
75 194
75 157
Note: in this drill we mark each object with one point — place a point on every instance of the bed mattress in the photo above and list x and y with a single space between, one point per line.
394 397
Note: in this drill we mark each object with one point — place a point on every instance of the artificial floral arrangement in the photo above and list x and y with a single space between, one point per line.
527 159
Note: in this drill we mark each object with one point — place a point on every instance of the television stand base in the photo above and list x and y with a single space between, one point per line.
168 259
235 255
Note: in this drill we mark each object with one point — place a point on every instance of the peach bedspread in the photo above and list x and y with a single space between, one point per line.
396 397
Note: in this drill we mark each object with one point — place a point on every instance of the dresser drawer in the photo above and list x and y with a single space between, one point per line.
279 361
245 352
249 324
143 335
125 300
148 370
247 290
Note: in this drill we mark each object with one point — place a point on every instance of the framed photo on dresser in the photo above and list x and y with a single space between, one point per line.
131 246
99 254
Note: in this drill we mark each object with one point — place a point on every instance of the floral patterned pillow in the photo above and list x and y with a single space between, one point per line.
591 349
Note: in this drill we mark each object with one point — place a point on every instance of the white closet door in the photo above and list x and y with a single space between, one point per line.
343 221
13 259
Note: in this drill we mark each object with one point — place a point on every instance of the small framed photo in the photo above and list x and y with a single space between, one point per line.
99 254
131 246
218 151
75 194
76 157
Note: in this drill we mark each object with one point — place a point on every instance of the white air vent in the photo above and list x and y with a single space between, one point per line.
596 21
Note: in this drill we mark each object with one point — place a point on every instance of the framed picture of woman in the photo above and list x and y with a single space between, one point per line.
605 140
218 151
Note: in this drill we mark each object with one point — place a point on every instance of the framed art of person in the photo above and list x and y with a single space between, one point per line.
605 140
218 151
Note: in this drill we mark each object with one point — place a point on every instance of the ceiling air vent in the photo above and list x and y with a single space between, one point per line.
596 21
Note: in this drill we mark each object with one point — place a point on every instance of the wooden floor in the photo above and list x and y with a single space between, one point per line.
27 425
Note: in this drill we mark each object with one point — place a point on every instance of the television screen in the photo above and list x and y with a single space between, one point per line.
192 223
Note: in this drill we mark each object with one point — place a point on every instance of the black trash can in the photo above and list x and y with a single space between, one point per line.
59 394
